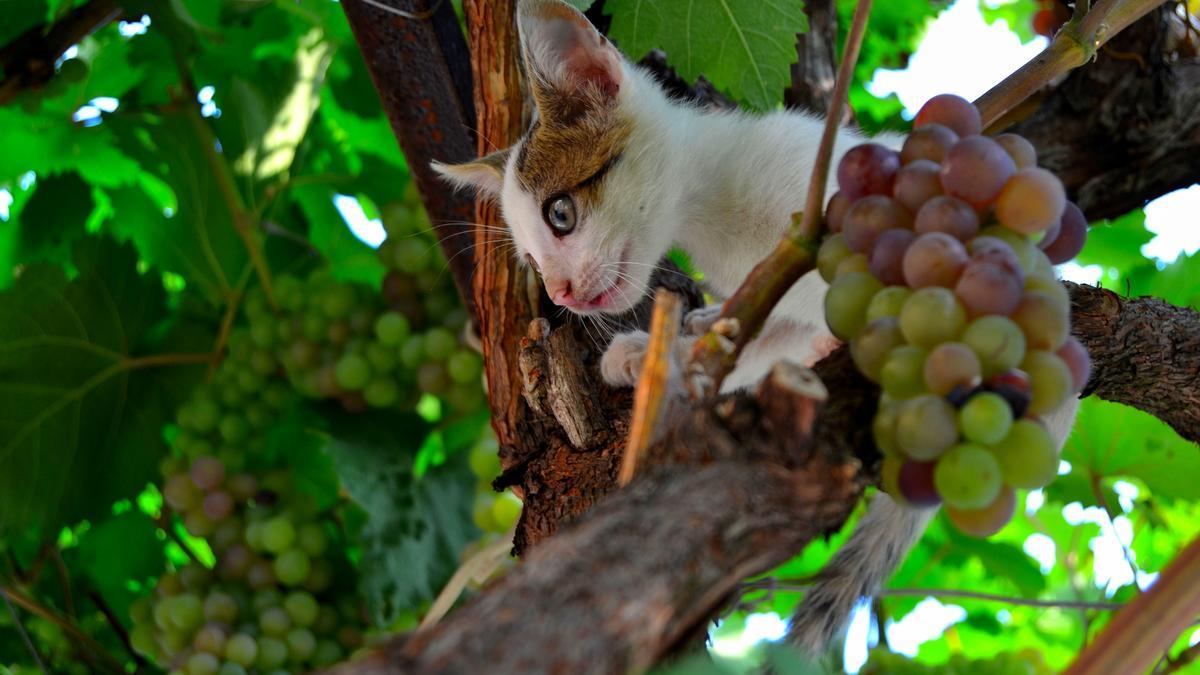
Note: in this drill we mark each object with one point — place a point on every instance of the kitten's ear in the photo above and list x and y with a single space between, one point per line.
485 175
565 56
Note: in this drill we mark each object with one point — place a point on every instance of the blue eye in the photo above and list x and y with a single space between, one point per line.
559 213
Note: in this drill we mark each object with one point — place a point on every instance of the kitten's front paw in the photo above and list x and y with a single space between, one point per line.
699 321
622 361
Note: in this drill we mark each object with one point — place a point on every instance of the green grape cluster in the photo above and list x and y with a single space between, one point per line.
941 272
494 513
1023 662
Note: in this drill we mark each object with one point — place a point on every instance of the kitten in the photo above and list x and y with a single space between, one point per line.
612 173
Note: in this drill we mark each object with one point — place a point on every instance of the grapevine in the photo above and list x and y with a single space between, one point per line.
941 265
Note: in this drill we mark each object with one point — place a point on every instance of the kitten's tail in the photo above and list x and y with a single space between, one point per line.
875 549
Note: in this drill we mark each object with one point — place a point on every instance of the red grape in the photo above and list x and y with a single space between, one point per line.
1021 150
934 259
952 111
867 169
916 483
1031 201
929 142
871 216
835 211
976 169
987 288
988 520
947 214
1078 362
887 256
917 183
1072 235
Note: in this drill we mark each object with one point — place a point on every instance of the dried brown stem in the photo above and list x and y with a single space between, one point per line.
1138 635
649 397
28 61
1073 46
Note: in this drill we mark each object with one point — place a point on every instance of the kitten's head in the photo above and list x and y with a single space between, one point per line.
586 204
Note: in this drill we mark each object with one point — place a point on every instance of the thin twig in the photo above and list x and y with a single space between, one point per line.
166 523
787 585
118 628
64 581
106 660
37 657
744 314
650 395
1073 46
477 568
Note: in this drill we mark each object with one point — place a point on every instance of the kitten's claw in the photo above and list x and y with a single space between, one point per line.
700 321
622 361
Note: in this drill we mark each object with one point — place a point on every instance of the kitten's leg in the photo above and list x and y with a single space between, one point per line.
700 321
622 361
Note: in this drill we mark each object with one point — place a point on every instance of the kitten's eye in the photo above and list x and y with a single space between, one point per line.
559 213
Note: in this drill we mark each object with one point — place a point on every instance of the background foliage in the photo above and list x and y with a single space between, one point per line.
177 155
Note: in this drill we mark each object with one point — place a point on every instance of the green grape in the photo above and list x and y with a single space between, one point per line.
1027 455
302 608
985 418
997 341
272 653
967 477
266 599
338 301
383 359
292 567
186 611
926 427
392 329
275 621
855 262
412 354
220 607
234 429
1043 319
831 254
382 392
484 458
1050 382
353 372
312 539
263 333
903 373
204 415
887 302
411 255
1019 243
314 327
483 515
846 303
278 534
883 429
202 663
889 476
506 509
872 345
301 644
142 639
464 367
439 344
231 668
932 316
328 653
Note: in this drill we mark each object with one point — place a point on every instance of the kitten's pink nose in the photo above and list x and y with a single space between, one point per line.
561 295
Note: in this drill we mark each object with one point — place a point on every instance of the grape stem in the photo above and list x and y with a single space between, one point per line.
118 628
107 661
1148 625
37 658
1073 46
649 397
746 311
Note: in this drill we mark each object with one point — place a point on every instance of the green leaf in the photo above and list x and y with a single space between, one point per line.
80 415
198 239
53 218
1117 244
349 258
745 47
119 552
50 144
581 5
1016 14
415 527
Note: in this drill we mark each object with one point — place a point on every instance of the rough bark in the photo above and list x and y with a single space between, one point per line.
816 65
1125 129
28 61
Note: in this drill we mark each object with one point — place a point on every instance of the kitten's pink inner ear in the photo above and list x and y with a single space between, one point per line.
594 67
566 50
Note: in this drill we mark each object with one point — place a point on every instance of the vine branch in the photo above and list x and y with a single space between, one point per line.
649 397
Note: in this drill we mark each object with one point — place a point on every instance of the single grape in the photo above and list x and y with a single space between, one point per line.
1045 323
870 217
916 183
835 211
934 259
382 392
903 373
887 256
278 534
207 472
946 214
1028 455
464 367
1050 381
1078 362
1072 235
975 170
391 328
143 640
292 567
218 506
855 262
338 301
986 288
231 668
204 415
871 346
929 142
506 509
926 427
832 252
235 563
411 256
439 344
220 607
234 429
889 477
275 621
967 476
272 653
211 639
1023 153
846 303
186 611
1018 244
320 576
1031 201
867 169
932 316
382 358
328 653
950 365
202 663
266 599
986 521
312 539
302 608
997 341
353 372
985 418
883 429
952 111
301 644
887 302
180 493
916 483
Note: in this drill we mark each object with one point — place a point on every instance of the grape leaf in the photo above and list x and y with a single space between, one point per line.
745 47
117 551
1117 243
53 218
80 413
47 144
416 527
350 258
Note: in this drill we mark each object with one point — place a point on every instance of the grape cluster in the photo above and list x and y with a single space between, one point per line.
493 513
941 271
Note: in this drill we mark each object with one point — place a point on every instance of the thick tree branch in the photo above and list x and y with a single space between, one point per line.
28 61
